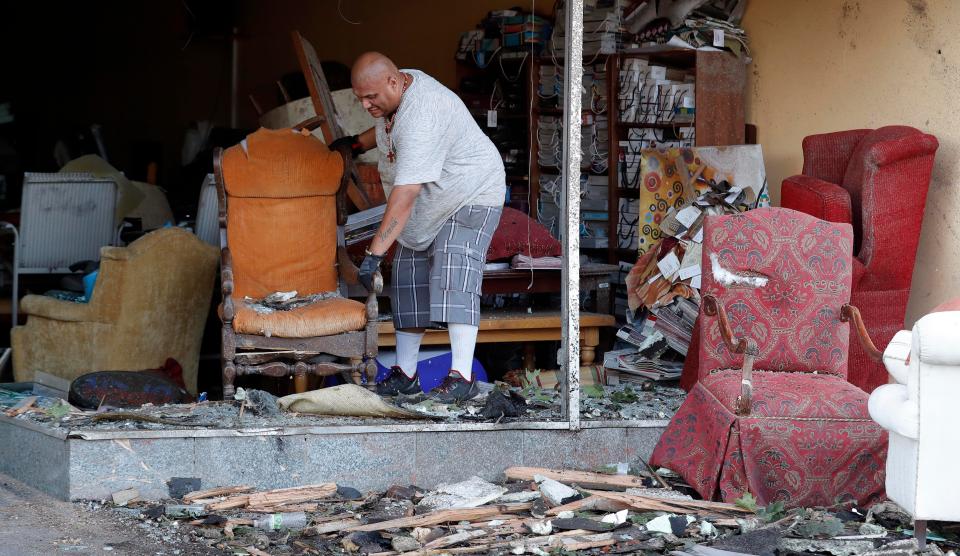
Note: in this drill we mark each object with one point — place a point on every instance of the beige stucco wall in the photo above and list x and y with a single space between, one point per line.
829 65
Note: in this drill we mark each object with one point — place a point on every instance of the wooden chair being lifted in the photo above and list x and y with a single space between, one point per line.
281 197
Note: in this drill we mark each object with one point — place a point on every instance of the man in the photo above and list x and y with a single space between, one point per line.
445 187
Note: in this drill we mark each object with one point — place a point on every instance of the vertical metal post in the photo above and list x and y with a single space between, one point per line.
570 295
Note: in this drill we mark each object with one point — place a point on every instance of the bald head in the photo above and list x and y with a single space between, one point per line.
373 66
377 83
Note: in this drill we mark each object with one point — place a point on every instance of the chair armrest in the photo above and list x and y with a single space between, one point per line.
849 313
746 346
349 272
56 309
935 339
825 200
226 285
896 357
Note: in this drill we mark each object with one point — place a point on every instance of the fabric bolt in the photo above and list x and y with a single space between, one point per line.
463 340
408 350
876 180
438 144
442 284
807 439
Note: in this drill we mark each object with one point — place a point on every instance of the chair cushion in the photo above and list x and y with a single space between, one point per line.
323 318
791 395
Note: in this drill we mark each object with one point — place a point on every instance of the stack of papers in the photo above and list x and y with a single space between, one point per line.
363 225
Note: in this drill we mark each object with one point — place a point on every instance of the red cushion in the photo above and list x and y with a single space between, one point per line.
518 233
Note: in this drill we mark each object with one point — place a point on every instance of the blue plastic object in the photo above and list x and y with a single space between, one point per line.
88 282
433 367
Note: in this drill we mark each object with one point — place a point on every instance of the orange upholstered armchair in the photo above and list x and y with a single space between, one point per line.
281 199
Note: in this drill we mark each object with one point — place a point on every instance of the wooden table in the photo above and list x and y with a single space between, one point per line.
593 277
526 328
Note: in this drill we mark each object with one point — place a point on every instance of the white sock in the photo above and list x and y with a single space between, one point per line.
463 338
408 350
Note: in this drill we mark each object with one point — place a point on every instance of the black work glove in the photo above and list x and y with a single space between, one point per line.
370 265
356 149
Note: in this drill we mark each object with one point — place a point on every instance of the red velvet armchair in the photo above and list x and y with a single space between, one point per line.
877 181
772 412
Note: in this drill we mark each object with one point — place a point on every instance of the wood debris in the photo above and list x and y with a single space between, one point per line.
583 526
214 492
584 479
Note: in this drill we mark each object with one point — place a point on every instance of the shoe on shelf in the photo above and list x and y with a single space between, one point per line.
399 383
453 389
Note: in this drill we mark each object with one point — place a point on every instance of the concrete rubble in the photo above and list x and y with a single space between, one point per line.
606 516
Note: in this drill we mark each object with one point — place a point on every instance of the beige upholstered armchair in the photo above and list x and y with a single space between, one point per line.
150 302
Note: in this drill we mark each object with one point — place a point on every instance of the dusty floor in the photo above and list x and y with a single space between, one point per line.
33 523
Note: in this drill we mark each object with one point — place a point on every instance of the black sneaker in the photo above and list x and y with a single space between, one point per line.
398 383
453 389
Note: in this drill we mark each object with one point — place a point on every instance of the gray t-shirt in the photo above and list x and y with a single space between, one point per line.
438 144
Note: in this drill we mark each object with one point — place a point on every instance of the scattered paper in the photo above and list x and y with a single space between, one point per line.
669 265
690 272
688 215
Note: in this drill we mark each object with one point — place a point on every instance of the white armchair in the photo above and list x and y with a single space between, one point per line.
917 412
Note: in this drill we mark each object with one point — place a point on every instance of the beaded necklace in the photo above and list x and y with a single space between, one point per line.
388 125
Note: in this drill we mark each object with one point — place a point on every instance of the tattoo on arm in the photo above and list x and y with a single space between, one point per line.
386 232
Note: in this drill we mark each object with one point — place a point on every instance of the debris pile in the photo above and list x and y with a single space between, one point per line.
622 510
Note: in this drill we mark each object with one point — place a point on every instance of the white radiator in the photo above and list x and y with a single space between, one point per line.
208 211
64 218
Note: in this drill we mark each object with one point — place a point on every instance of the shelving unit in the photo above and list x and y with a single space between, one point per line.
719 88
537 111
511 134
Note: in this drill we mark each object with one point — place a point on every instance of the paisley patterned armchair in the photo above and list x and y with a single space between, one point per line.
773 413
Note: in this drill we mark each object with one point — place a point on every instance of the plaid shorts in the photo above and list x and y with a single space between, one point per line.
442 283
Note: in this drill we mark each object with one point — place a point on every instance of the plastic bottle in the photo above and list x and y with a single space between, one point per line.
285 520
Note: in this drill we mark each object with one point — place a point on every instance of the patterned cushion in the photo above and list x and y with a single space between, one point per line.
791 395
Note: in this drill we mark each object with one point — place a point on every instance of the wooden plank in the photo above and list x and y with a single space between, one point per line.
294 495
230 503
444 516
22 406
324 107
584 479
648 503
215 492
331 527
589 503
514 321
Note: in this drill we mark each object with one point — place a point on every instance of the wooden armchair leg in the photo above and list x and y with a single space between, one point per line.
228 353
300 382
356 366
371 373
229 375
